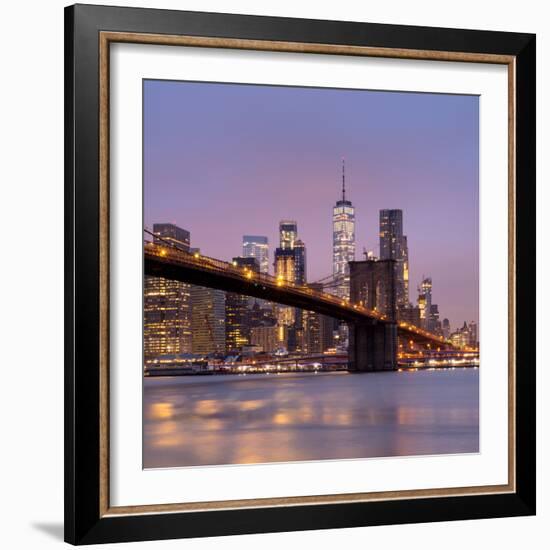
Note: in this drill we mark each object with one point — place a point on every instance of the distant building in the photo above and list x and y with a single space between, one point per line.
260 316
393 246
460 337
257 246
472 329
429 313
166 317
290 268
409 314
288 233
300 266
317 329
435 322
266 337
285 271
208 320
343 240
166 303
466 336
446 328
172 234
237 315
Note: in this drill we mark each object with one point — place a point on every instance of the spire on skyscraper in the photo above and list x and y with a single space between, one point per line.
343 179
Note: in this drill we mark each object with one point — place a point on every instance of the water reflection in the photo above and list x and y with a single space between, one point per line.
193 421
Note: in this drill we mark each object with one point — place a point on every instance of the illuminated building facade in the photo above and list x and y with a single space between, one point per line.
461 337
290 267
257 246
318 329
429 312
474 340
207 320
343 240
237 314
166 303
393 246
169 233
409 314
288 233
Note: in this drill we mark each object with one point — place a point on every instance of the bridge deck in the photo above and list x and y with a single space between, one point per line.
171 263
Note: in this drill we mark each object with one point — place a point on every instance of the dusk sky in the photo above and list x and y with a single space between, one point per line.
225 160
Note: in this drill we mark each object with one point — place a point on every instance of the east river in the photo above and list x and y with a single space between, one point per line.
243 419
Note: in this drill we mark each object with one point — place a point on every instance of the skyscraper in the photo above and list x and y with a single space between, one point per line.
393 246
208 319
343 240
290 267
257 246
429 312
237 315
317 329
300 273
446 328
171 233
166 303
288 233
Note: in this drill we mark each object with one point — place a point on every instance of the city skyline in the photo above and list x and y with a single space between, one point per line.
236 204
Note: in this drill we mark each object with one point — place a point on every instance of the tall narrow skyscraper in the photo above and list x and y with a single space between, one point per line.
290 267
343 240
393 246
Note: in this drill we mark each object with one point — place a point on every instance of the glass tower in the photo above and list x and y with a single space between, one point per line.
393 246
257 246
343 241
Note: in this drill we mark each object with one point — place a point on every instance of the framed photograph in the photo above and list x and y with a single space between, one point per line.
300 274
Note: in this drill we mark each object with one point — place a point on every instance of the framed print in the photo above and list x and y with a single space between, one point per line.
299 274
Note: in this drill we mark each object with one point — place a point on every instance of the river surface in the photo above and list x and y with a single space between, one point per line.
245 419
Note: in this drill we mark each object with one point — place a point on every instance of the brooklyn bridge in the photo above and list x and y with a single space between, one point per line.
370 313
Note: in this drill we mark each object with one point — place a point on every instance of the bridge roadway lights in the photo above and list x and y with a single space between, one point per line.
372 347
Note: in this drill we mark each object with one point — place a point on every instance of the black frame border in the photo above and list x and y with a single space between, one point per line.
83 523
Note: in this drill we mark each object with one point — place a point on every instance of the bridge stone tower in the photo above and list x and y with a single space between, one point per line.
373 344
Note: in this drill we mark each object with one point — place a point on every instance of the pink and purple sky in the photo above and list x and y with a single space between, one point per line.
227 160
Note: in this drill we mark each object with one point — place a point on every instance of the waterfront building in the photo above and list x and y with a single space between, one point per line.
166 303
237 318
257 246
312 335
472 329
317 329
461 337
343 240
393 246
208 320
